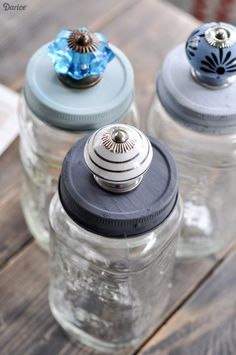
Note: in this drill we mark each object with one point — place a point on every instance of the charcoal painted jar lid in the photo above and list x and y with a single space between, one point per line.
118 183
197 83
79 81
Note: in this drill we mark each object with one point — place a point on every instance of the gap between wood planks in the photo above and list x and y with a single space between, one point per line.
17 254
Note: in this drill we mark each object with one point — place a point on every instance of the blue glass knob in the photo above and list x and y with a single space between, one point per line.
80 56
211 51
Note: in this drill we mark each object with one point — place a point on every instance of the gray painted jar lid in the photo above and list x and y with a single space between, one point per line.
118 215
78 109
192 104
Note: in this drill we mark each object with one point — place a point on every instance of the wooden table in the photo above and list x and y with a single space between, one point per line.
201 316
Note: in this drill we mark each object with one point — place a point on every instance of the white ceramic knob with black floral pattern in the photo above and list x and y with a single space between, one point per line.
211 51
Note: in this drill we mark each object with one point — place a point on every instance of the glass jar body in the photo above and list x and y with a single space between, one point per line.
42 150
110 293
207 170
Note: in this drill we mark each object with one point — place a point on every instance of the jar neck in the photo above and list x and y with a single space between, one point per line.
104 250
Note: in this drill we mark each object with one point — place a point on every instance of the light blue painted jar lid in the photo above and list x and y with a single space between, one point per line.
79 109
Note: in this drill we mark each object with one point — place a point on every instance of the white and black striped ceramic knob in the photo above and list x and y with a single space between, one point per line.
118 155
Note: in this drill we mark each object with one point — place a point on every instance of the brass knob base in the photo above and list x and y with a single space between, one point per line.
85 83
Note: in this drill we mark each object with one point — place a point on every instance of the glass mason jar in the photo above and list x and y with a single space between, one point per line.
195 115
57 108
112 258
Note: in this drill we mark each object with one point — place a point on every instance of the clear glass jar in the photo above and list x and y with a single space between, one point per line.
86 84
194 113
42 150
112 251
207 168
110 293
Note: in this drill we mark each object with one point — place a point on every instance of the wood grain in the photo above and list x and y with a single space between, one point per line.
13 231
146 33
206 323
26 324
25 315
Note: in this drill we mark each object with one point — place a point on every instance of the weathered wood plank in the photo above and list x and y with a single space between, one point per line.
26 324
147 33
13 231
25 316
206 323
25 31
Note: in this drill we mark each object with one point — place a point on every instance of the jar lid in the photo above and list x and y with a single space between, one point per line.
79 109
196 106
118 215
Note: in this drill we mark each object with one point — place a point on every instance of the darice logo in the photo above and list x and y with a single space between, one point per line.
9 7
